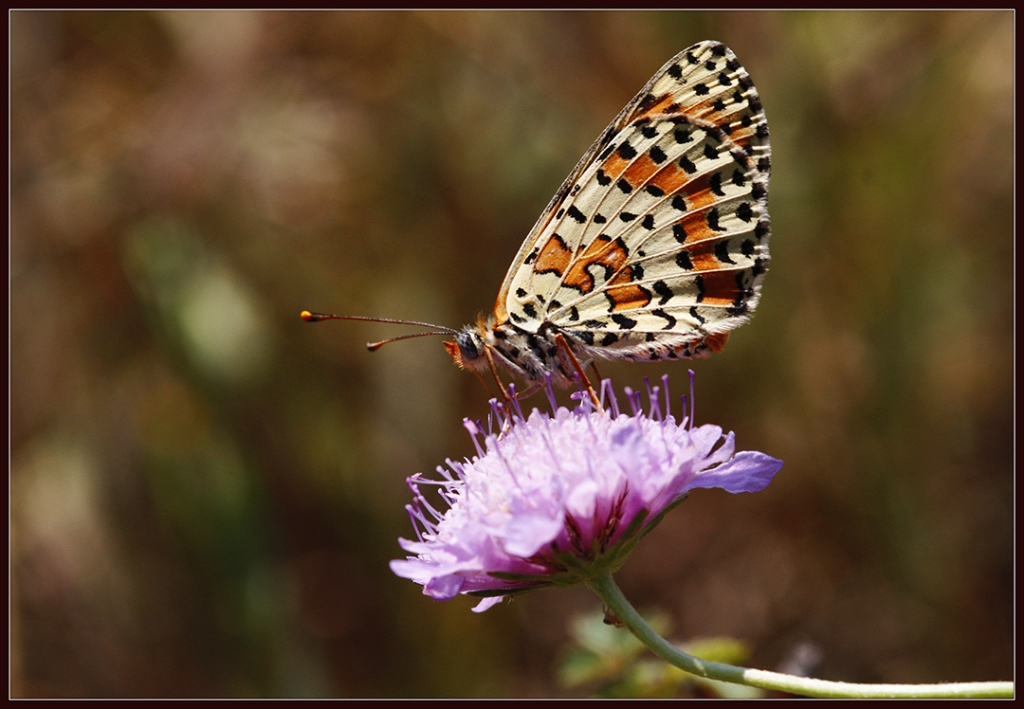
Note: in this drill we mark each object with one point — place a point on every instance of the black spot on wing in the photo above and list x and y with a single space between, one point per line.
623 322
712 218
662 314
662 289
722 252
715 183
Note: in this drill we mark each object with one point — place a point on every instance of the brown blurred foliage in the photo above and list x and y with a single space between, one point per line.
206 491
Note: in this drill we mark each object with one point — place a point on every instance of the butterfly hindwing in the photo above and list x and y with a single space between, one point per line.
658 240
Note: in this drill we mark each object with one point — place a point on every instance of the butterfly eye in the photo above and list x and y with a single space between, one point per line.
467 345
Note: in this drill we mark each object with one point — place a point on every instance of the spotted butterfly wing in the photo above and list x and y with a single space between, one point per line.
656 244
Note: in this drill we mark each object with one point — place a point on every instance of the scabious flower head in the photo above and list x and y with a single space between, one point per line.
556 499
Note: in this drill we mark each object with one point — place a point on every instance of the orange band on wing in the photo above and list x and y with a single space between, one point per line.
614 165
641 169
554 257
628 295
697 229
702 255
716 343
698 193
720 288
601 251
655 105
670 178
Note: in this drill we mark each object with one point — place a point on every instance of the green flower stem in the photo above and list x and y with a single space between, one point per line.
605 587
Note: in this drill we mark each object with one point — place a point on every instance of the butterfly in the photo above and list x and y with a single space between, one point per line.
655 246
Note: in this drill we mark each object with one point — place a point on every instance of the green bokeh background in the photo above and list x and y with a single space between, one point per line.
206 492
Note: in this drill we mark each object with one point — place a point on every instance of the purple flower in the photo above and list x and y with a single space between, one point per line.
554 500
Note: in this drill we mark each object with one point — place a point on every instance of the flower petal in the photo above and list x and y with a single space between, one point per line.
486 603
748 471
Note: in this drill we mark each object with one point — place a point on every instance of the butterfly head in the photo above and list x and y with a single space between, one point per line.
468 348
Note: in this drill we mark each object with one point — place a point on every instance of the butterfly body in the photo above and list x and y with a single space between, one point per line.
534 355
656 244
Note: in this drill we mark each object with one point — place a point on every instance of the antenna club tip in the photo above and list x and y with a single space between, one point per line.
373 346
308 316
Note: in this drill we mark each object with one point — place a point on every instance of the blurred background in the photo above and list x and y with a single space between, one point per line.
206 491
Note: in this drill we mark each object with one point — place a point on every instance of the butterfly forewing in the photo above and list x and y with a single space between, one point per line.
658 240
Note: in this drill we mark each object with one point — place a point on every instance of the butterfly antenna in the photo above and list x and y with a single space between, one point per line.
374 346
317 317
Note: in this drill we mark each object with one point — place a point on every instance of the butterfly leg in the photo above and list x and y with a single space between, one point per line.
483 382
560 341
520 395
494 371
529 391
